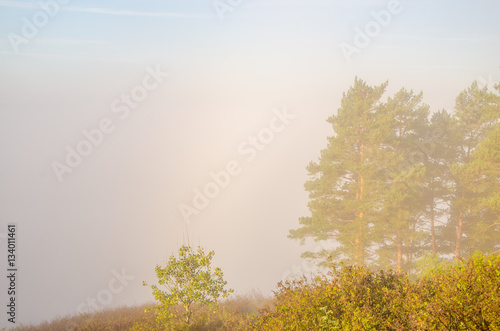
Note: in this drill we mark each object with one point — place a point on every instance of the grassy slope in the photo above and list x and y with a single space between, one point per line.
233 314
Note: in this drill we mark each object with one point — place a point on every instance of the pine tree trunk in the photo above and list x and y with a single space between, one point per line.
399 245
459 235
460 230
360 242
433 230
411 251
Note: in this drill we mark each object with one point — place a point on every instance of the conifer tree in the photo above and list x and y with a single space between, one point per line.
392 184
484 234
345 185
476 112
437 181
400 230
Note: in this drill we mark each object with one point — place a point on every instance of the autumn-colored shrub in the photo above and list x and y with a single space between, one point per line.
352 298
461 297
466 296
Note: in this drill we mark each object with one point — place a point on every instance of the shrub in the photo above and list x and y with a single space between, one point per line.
190 282
462 297
466 296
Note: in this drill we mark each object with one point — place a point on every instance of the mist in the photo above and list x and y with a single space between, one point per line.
130 128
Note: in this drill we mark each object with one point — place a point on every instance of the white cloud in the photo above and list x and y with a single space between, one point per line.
129 12
429 38
94 10
312 3
70 57
71 41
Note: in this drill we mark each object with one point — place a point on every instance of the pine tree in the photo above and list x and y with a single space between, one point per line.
345 186
436 191
476 112
484 170
389 177
399 229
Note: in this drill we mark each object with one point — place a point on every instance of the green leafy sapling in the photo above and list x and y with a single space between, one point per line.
188 281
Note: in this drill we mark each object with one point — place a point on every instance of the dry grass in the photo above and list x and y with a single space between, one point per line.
122 318
234 314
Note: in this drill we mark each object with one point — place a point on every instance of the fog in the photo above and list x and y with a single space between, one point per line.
235 100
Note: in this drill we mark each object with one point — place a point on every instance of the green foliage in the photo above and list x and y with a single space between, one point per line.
352 298
190 281
467 296
345 185
395 183
461 297
477 112
431 262
485 170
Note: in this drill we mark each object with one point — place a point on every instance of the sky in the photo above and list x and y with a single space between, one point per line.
130 127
